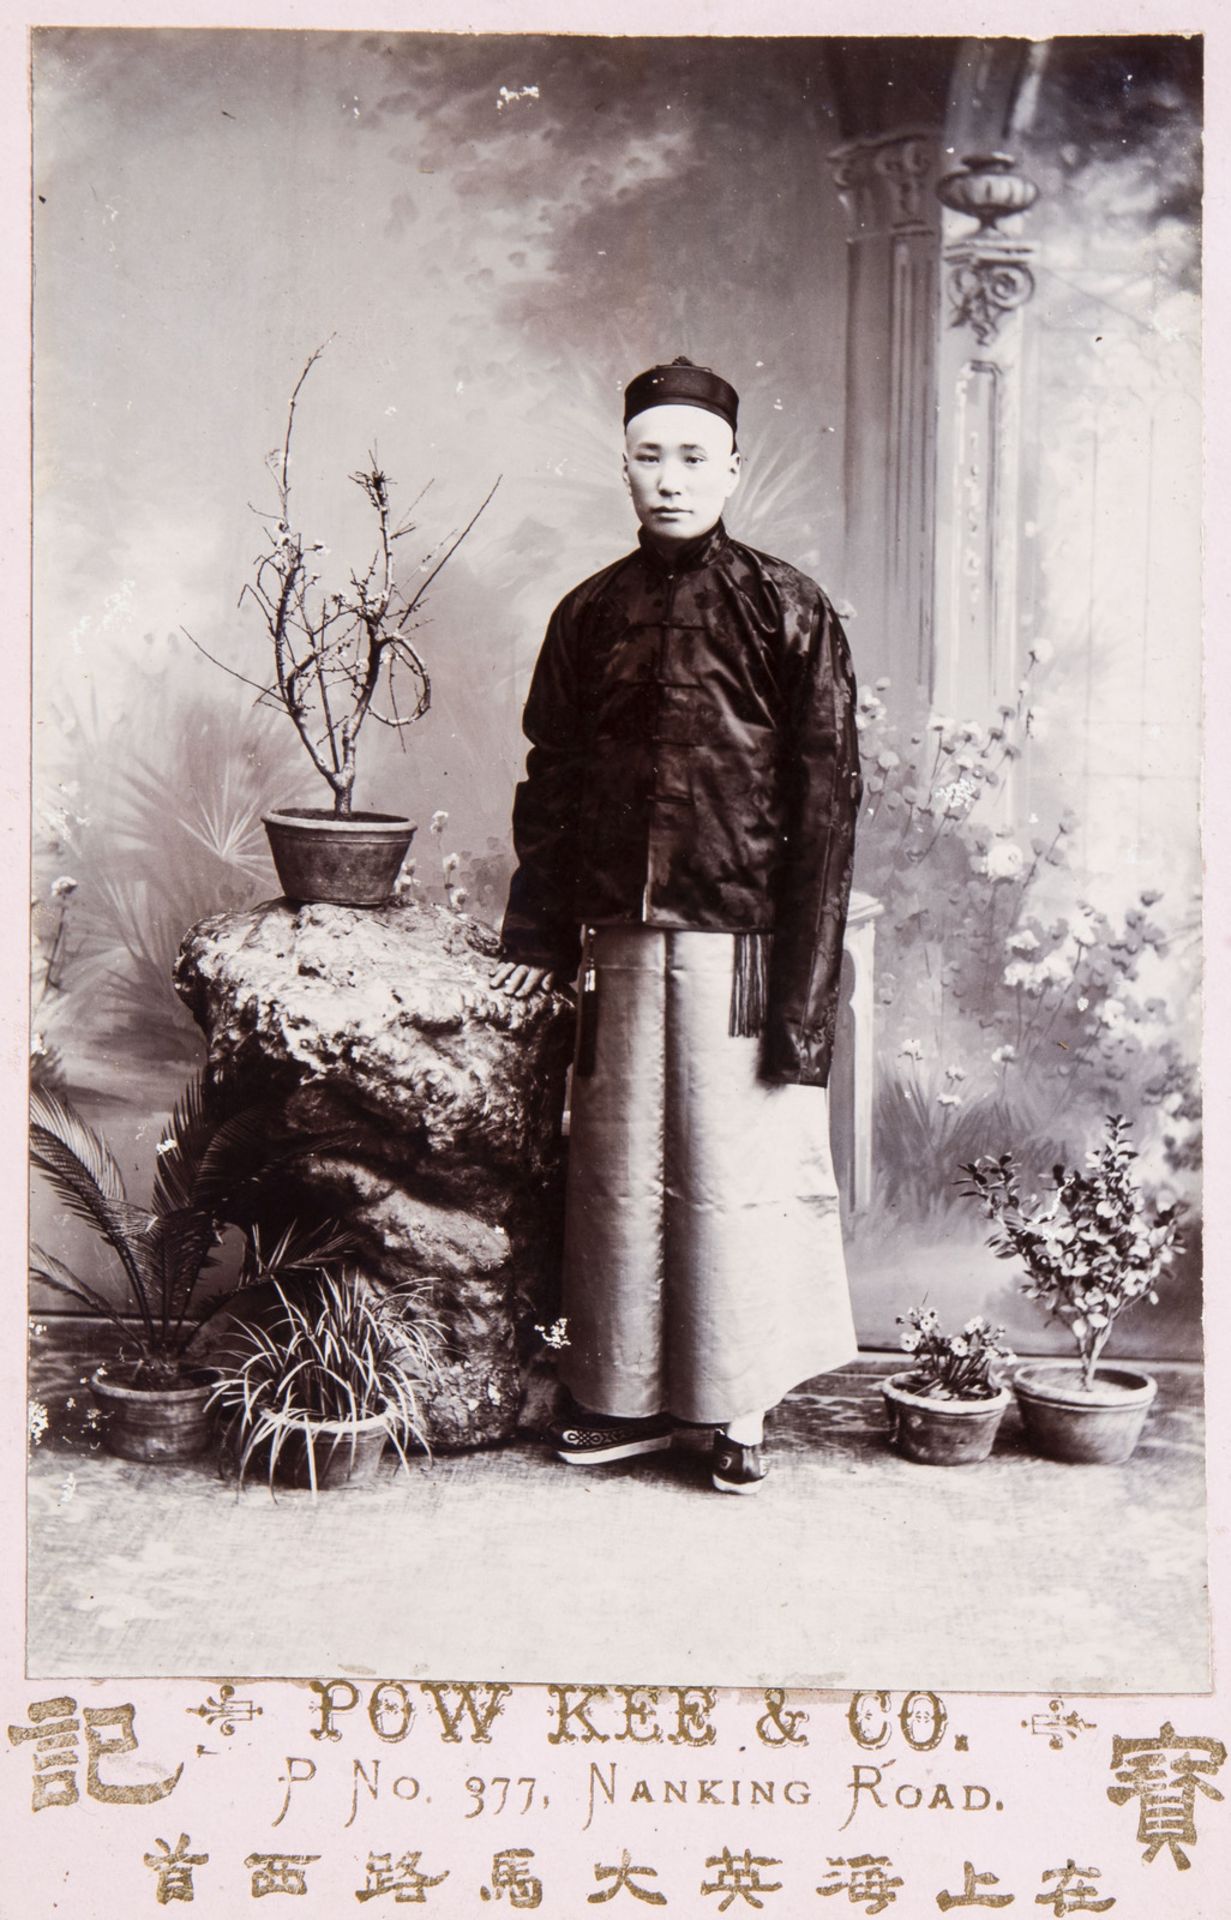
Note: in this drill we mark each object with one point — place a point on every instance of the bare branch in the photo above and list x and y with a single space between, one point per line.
330 649
222 663
453 549
284 486
407 524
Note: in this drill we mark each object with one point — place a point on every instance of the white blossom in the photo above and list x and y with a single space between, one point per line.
1004 859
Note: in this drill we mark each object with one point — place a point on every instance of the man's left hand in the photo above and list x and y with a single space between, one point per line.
522 981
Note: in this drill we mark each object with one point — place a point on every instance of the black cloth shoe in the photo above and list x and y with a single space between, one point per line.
736 1467
592 1439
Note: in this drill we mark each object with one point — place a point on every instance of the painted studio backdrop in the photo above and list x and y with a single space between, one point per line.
956 286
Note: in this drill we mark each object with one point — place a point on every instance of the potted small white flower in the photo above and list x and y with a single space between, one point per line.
946 1410
1092 1247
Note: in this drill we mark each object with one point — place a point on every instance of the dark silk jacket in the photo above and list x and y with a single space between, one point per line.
694 763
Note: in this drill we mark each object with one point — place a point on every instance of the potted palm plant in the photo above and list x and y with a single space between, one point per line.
340 658
1092 1247
318 1387
211 1165
945 1411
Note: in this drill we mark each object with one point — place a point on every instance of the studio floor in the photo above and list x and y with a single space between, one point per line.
852 1567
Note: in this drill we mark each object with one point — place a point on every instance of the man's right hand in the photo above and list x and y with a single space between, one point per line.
522 981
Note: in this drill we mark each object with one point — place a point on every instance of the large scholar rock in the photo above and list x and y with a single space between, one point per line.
380 1024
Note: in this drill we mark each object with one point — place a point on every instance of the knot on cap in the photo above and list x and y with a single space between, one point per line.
682 384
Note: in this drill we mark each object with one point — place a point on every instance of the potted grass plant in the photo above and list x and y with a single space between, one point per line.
315 1389
340 658
211 1165
1092 1247
946 1409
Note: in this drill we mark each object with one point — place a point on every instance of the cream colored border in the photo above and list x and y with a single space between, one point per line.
228 1815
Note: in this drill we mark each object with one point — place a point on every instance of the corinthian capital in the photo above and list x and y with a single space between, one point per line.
887 183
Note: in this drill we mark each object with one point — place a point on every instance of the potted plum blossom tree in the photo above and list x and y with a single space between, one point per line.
1092 1248
340 658
946 1410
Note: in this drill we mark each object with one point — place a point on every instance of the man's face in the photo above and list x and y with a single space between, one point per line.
681 468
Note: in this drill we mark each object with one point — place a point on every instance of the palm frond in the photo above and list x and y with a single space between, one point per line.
239 1148
61 1279
181 1149
297 1249
86 1178
179 1244
162 1250
64 1123
245 1148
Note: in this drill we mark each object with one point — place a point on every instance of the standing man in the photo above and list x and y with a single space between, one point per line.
685 830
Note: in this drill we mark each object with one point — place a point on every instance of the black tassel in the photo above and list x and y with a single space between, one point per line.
587 1016
749 985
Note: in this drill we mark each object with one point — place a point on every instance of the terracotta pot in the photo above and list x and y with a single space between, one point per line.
1065 1422
153 1424
941 1433
349 863
343 1453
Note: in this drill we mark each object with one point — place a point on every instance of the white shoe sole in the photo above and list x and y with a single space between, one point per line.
626 1450
744 1486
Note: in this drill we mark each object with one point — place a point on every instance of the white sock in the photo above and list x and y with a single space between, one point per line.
747 1431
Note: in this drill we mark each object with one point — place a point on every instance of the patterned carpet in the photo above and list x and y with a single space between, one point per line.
851 1567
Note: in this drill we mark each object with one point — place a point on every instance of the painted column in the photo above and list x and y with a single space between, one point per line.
988 281
887 184
853 1085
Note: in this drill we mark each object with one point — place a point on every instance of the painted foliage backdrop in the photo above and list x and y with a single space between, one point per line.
493 234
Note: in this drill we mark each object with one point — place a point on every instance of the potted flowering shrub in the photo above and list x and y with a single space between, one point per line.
1092 1247
211 1163
339 659
946 1410
314 1390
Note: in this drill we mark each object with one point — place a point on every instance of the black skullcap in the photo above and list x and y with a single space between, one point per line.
681 385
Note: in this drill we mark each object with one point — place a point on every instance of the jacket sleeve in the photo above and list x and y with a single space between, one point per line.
540 926
822 788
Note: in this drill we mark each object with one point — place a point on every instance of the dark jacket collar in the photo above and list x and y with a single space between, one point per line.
684 556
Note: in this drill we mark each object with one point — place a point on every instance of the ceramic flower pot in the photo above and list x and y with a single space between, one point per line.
350 862
327 1453
153 1424
941 1433
1065 1422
